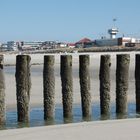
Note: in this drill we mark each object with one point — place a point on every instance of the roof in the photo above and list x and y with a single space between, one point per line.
84 40
71 44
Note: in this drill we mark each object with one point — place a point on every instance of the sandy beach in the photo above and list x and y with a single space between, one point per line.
103 130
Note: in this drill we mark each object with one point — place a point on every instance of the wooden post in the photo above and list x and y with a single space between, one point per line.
49 87
85 85
104 76
23 85
137 82
67 85
122 74
2 92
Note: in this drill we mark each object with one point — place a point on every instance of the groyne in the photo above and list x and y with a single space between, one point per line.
23 85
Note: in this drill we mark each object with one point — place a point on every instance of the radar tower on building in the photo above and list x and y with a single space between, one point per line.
113 31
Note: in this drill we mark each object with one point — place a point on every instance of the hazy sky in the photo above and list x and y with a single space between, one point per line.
66 20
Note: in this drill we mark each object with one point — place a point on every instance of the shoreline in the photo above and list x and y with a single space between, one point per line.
125 129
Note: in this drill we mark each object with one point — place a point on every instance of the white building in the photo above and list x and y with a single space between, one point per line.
12 46
29 45
113 41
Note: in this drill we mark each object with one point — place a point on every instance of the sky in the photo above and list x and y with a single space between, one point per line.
67 20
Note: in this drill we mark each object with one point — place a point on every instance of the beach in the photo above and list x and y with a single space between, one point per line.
116 129
101 130
37 78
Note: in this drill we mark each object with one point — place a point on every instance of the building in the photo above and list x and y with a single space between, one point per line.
29 45
107 42
12 46
61 45
49 45
71 45
84 43
113 41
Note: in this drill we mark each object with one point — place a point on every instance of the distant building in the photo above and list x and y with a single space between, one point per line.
113 41
61 45
84 43
71 45
31 45
3 47
49 45
129 41
107 42
12 46
122 41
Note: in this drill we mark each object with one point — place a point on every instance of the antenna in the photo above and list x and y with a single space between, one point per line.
114 21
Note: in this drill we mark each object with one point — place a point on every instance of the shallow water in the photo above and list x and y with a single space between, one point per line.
36 116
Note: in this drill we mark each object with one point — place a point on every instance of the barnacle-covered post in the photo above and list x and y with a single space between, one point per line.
23 85
2 92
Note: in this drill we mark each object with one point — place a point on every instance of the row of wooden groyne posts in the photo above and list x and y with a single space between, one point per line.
23 85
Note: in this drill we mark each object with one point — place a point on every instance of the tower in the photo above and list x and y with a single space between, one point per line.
113 32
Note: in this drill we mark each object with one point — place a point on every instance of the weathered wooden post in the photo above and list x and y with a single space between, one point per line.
49 87
23 85
67 85
137 81
85 85
2 92
122 74
104 76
